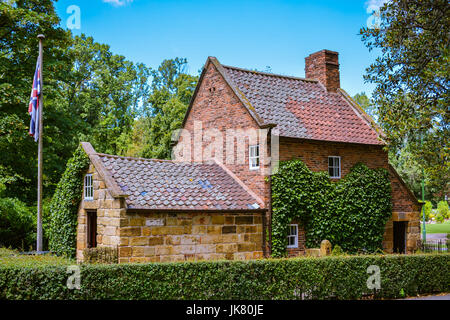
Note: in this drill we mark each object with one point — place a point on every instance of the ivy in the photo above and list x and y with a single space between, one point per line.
351 212
64 206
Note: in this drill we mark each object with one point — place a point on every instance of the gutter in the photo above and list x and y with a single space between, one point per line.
165 210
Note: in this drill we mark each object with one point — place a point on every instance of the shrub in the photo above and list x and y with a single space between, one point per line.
13 258
439 218
337 251
342 277
100 255
17 223
427 207
443 209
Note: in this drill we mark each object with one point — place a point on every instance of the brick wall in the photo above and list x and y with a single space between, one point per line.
216 106
324 66
315 155
165 237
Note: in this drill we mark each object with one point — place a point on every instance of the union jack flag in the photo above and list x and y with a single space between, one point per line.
33 107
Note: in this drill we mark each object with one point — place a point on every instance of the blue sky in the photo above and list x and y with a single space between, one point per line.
247 34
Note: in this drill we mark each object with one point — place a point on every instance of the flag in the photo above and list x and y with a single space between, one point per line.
33 107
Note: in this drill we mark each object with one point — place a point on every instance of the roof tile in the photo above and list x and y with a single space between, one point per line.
164 184
302 108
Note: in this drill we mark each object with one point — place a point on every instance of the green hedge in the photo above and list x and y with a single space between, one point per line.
342 277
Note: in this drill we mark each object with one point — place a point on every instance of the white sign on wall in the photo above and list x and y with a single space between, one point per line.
154 222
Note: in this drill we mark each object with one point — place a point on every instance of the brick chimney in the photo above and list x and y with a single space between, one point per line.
324 66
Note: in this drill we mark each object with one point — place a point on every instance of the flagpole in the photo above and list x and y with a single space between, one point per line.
40 159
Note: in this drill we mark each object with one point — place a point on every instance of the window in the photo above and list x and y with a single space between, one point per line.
334 167
88 188
253 157
293 236
91 229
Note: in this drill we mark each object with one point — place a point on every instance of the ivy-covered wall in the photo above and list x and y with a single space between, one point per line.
351 212
64 206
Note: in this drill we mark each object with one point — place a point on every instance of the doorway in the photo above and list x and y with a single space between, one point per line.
91 232
400 236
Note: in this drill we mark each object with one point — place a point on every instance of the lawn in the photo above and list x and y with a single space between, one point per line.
438 227
12 257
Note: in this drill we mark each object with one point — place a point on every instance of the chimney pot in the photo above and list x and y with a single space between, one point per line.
324 66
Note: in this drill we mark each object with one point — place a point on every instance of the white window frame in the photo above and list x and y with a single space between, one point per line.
88 187
334 166
295 236
254 158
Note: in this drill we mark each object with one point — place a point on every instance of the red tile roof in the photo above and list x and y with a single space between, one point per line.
169 185
301 108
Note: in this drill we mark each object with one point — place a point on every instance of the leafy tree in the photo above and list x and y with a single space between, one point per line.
366 103
409 169
89 94
17 223
443 210
427 208
412 77
171 92
20 23
104 92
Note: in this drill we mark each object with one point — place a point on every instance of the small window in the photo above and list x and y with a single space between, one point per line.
293 236
334 167
254 157
88 187
91 239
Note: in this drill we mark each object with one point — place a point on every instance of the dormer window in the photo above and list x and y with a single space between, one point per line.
334 167
253 158
88 187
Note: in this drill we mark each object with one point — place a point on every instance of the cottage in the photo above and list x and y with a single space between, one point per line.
213 200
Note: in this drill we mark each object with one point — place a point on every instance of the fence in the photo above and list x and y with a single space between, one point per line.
437 245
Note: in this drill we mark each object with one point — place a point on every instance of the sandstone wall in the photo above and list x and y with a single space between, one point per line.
109 214
164 237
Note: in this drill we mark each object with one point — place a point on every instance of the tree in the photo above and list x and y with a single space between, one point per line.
443 210
89 94
427 208
366 103
104 92
412 77
17 223
171 91
20 23
409 169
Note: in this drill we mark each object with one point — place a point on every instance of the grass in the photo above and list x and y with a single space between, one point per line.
438 227
10 257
